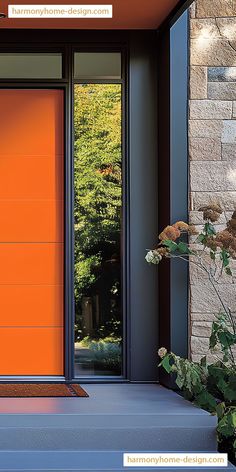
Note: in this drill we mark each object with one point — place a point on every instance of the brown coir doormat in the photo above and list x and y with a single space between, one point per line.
41 390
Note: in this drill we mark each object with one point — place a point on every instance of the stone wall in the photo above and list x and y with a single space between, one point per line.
212 142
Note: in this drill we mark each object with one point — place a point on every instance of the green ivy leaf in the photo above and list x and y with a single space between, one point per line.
170 244
225 257
220 410
233 417
225 426
201 238
183 248
222 385
209 229
213 340
206 400
179 381
166 364
230 394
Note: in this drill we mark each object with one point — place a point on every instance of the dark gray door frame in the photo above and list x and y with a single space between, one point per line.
173 179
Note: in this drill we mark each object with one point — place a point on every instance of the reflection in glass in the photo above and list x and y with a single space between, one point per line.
98 210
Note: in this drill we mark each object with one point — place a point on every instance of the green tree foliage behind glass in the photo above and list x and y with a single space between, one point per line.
98 200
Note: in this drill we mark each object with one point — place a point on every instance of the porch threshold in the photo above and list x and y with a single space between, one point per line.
114 418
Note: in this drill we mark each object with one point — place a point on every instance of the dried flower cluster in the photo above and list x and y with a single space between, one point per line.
225 239
222 242
211 212
174 232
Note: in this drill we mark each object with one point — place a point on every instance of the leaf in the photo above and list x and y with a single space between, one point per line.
179 381
233 417
220 410
170 244
201 238
203 361
213 340
228 271
206 400
222 385
166 364
230 394
225 257
209 229
183 248
226 338
226 426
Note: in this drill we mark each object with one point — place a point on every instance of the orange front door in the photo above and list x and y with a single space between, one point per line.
31 232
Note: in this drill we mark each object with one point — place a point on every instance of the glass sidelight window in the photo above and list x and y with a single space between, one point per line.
98 229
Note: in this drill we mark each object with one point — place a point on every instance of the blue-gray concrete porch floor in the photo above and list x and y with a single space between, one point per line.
79 434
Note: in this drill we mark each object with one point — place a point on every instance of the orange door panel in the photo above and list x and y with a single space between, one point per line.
31 263
45 224
31 123
33 178
31 351
18 306
31 232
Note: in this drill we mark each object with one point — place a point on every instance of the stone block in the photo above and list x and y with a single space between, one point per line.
210 109
199 346
192 10
228 152
204 28
201 328
221 74
211 359
227 200
203 297
229 132
227 28
212 176
203 317
222 91
213 8
196 358
205 128
208 149
211 52
198 82
196 218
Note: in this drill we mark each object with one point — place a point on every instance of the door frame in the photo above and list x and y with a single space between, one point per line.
141 51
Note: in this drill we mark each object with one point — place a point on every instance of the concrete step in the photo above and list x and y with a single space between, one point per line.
65 461
111 438
59 434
